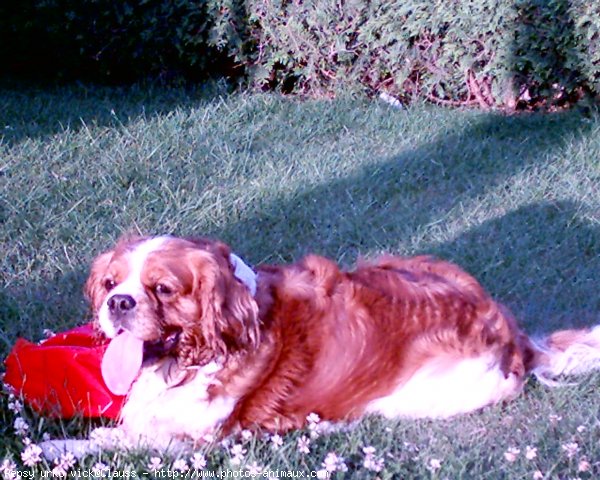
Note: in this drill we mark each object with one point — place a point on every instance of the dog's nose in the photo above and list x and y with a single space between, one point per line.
119 305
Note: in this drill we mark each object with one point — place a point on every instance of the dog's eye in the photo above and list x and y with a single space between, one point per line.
109 284
162 289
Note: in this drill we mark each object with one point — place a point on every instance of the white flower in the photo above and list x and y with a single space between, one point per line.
208 438
583 465
368 451
511 454
48 333
371 462
15 406
255 469
246 435
8 468
581 428
66 461
32 455
99 468
434 465
313 418
237 450
198 461
155 463
530 452
570 448
304 444
20 426
374 464
63 464
180 465
276 442
237 453
225 443
334 463
537 475
554 419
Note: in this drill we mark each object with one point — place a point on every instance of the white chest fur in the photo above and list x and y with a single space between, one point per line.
157 414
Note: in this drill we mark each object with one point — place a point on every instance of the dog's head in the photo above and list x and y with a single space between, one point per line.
180 297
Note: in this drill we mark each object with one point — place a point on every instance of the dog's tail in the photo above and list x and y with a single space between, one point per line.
566 352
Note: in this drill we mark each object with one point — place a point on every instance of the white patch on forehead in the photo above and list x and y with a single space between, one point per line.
132 285
140 253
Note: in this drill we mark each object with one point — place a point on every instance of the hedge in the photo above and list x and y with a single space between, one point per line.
489 53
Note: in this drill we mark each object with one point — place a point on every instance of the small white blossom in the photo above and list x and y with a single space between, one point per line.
15 406
198 461
276 442
155 463
20 426
48 333
530 452
304 444
237 453
537 475
313 418
63 464
8 468
225 443
180 465
208 438
511 454
584 465
246 435
333 463
371 462
570 448
554 419
434 465
368 451
581 428
32 455
66 460
374 464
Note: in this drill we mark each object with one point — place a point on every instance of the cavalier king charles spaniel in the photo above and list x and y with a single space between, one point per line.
203 345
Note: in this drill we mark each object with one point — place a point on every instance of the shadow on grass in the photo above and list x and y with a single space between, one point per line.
384 204
28 111
541 259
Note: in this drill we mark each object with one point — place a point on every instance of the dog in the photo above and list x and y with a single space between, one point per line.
201 345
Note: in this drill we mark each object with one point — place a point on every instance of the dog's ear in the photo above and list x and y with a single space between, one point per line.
94 288
229 318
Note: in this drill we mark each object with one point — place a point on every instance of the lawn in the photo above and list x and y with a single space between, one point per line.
513 200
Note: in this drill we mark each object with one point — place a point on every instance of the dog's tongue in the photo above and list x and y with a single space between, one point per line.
121 362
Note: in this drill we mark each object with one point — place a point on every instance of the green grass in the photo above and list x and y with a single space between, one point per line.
513 200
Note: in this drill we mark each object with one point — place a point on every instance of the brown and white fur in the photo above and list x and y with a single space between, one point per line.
400 337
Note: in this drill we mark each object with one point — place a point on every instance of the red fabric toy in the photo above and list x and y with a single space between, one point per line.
61 376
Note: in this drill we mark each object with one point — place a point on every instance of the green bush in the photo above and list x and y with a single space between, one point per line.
490 53
493 53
